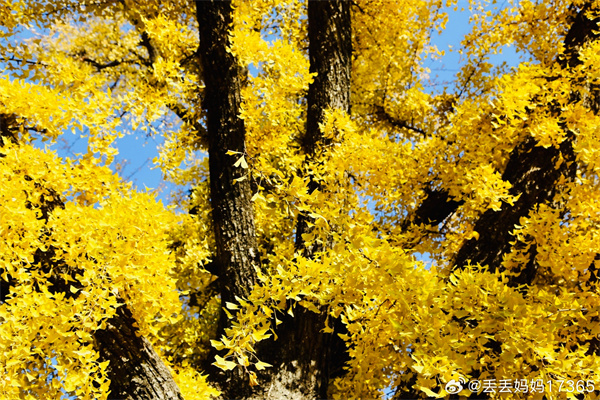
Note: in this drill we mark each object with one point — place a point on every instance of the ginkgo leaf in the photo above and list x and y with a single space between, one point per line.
217 344
241 162
262 365
224 364
253 379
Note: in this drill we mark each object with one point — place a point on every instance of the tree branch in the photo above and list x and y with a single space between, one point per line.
100 67
383 115
184 114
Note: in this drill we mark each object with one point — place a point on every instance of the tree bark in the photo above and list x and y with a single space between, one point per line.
232 213
301 356
330 53
317 357
305 358
136 371
533 172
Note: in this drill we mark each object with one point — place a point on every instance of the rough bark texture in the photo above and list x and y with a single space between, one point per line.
232 213
308 358
305 358
301 355
233 219
533 172
330 52
135 370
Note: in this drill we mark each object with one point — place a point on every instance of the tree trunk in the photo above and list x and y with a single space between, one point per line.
301 356
232 212
307 358
135 370
230 192
533 172
330 52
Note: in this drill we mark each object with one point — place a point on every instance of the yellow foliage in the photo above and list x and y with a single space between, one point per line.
76 240
104 240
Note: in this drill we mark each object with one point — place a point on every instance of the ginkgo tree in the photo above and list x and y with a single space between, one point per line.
317 170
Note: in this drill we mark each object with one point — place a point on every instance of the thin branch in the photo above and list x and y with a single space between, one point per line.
190 57
395 122
114 63
12 58
149 47
185 116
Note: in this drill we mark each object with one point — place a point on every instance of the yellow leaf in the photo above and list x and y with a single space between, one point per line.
223 364
429 392
262 365
253 380
454 279
327 328
241 162
217 344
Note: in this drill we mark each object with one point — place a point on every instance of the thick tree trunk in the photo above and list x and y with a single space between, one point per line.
301 356
330 52
533 172
232 213
305 358
230 192
136 371
308 358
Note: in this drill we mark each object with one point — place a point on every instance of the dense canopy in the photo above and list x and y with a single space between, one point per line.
346 225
